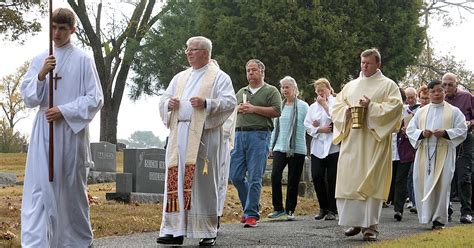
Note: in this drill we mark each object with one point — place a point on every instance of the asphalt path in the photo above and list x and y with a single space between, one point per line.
302 232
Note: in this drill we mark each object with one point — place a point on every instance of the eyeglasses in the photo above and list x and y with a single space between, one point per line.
188 50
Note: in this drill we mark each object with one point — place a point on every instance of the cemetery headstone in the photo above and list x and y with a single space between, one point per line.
146 170
7 178
104 157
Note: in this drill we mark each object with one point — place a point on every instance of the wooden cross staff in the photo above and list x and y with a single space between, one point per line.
51 124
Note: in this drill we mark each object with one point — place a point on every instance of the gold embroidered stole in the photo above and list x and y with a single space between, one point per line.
442 148
196 127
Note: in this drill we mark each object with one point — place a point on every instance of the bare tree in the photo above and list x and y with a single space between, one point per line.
439 9
430 66
114 52
425 71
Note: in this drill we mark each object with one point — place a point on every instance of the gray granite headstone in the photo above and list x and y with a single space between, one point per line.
306 188
104 157
124 183
7 178
148 169
24 148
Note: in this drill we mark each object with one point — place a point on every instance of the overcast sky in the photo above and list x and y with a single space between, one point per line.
143 114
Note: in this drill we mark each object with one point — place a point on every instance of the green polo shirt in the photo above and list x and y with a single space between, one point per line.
267 96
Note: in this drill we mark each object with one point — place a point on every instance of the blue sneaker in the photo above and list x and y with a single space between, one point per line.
276 214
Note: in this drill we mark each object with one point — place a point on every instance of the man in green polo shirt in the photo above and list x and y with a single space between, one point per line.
258 102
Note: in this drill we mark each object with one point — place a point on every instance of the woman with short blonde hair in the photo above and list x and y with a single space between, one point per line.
324 154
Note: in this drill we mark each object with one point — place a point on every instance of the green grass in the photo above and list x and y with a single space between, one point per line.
456 236
136 218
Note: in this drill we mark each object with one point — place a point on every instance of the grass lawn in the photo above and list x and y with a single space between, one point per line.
136 218
456 236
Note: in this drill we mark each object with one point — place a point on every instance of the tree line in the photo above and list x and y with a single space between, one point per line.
306 39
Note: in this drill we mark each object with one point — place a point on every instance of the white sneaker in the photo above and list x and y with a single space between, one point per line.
291 215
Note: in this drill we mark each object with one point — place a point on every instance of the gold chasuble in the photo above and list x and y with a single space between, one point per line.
365 159
196 126
441 148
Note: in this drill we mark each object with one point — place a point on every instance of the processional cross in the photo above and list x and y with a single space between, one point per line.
51 124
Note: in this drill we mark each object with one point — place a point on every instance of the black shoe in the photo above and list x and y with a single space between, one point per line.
466 219
321 215
170 240
398 216
437 225
413 210
386 204
207 242
330 216
450 212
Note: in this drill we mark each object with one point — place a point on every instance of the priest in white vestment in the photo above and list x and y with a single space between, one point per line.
365 158
195 106
56 214
435 131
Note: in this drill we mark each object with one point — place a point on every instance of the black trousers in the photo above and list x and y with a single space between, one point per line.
472 195
391 193
400 193
323 172
411 191
463 171
295 167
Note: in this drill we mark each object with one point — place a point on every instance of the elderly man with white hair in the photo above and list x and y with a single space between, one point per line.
411 100
194 107
464 152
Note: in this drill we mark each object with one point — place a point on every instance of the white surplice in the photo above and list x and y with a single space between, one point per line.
431 193
201 220
56 214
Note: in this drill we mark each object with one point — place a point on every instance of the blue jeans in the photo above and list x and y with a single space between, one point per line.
247 165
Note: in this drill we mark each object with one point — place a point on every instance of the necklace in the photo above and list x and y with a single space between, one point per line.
431 156
67 53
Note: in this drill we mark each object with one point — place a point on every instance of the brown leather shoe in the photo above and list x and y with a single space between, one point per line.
371 233
352 231
369 236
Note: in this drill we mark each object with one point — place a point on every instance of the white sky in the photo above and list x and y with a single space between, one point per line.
143 114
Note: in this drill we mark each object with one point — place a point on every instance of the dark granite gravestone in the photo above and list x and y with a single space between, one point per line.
147 170
104 157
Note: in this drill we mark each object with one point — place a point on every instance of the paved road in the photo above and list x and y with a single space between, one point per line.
304 231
